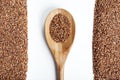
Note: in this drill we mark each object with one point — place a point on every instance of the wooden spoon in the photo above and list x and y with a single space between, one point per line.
59 50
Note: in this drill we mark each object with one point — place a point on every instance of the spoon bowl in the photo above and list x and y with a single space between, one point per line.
59 50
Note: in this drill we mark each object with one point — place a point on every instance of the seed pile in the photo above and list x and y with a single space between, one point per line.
60 28
106 40
13 40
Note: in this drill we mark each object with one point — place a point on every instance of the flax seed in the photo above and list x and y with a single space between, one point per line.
106 40
60 28
13 39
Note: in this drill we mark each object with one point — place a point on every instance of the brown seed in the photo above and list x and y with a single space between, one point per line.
13 40
60 28
106 40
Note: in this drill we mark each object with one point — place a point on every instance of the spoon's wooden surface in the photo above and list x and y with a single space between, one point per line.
59 50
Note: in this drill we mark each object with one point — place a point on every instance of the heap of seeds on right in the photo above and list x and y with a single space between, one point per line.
106 40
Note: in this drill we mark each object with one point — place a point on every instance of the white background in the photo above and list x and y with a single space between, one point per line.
78 65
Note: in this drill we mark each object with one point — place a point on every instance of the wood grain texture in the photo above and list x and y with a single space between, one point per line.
106 40
59 50
13 40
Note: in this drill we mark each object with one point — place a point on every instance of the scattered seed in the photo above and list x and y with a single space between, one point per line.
106 40
13 40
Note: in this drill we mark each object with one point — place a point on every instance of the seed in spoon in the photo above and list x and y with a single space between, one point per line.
60 28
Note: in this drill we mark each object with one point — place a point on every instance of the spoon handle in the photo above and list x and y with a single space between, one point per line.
60 73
